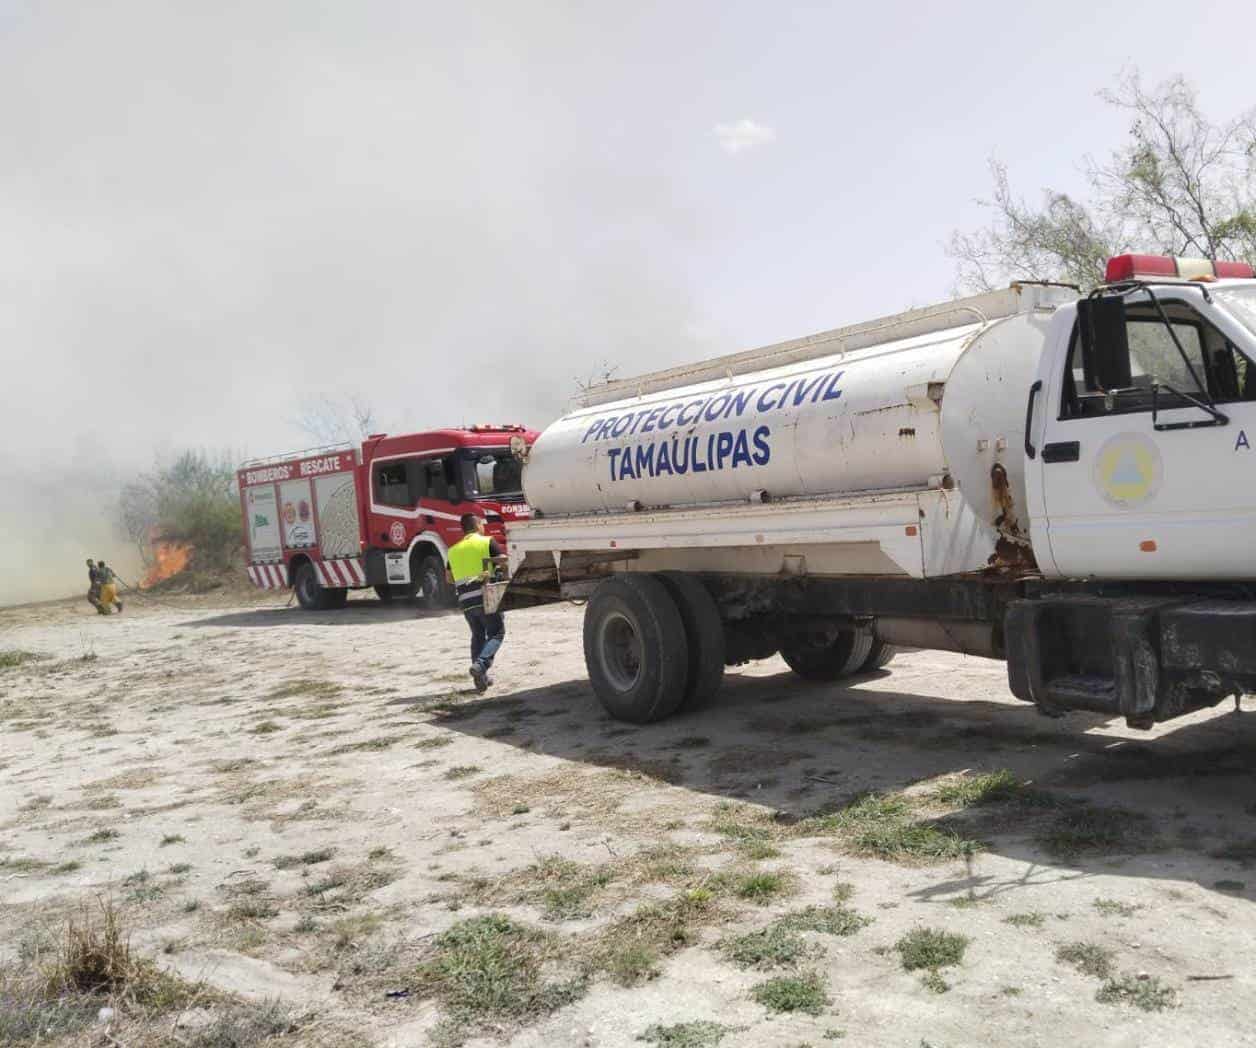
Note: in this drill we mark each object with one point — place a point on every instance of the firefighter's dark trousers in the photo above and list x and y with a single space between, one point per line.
487 634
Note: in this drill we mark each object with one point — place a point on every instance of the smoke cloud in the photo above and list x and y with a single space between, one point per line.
214 212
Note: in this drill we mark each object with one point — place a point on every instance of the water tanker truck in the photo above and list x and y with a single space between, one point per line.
1063 481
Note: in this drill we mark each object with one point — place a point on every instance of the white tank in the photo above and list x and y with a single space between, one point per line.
931 397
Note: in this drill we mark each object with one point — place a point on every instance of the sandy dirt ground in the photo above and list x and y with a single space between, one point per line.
318 808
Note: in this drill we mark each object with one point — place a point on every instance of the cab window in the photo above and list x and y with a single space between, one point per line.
398 482
1157 373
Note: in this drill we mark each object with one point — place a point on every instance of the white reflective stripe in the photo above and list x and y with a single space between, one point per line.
321 573
252 574
273 573
413 514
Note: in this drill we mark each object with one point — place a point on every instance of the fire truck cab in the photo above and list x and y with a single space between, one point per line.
381 515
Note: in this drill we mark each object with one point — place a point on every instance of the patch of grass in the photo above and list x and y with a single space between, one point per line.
251 908
933 982
101 836
699 1034
232 765
380 742
243 1025
68 867
1116 908
757 850
191 906
1087 957
772 947
1147 993
488 970
1032 919
350 931
306 688
105 800
1084 829
793 993
173 838
308 858
37 803
180 867
433 742
305 925
380 852
629 949
462 771
266 727
930 948
883 827
93 957
828 920
762 887
990 788
23 864
12 658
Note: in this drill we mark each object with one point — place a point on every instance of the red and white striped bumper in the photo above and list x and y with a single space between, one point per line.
269 576
336 574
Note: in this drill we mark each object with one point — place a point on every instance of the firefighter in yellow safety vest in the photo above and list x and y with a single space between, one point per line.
471 563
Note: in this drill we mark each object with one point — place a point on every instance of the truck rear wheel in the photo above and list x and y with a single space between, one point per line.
822 658
635 648
705 635
878 658
311 594
433 589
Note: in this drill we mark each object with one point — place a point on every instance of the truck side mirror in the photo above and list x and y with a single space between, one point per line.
1105 342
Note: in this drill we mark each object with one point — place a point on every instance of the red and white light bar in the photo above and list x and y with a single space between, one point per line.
1131 267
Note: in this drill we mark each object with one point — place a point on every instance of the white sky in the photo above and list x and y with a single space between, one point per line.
210 211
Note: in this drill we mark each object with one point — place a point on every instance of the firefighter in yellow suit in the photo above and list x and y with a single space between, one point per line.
108 596
470 564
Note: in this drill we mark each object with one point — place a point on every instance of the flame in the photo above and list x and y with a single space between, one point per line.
169 558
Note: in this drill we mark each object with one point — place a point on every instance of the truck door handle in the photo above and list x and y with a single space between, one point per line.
1030 451
1062 451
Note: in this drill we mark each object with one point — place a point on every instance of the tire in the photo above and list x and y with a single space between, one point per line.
839 658
704 632
310 592
433 590
878 658
335 598
635 648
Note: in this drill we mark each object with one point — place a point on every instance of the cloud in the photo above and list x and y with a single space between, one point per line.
743 134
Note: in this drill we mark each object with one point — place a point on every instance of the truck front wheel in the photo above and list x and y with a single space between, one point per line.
434 590
635 648
826 658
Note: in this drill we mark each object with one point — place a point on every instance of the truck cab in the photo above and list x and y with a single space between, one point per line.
1140 427
417 487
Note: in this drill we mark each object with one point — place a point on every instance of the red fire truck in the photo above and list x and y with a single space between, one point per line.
382 515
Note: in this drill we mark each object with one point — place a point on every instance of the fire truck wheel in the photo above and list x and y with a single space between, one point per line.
878 658
433 590
310 593
821 658
705 633
635 648
335 598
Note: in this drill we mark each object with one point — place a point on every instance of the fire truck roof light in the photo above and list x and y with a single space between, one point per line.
1131 267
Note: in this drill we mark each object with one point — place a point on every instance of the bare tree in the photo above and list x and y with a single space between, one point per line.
337 420
1180 185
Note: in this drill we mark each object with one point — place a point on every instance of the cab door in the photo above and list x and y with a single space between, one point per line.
1145 462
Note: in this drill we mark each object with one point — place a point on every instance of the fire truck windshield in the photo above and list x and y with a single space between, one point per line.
491 473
